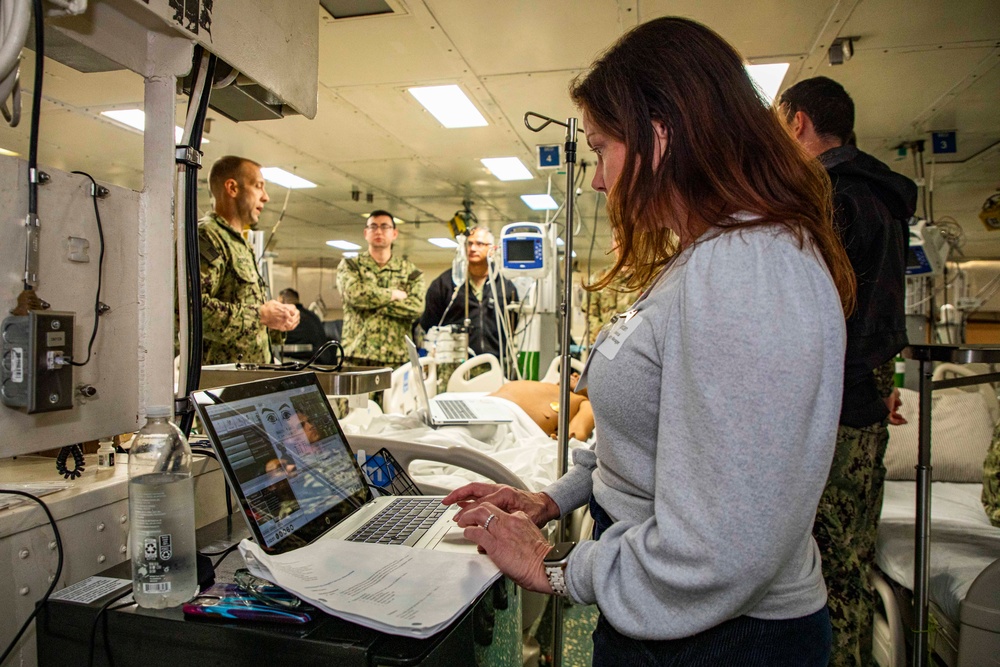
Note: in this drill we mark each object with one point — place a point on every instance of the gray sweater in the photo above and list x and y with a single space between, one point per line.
716 423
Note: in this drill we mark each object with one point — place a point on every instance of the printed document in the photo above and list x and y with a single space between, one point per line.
393 589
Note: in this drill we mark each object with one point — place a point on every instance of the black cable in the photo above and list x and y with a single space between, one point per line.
224 555
225 482
100 269
55 579
193 264
36 110
76 451
303 365
93 626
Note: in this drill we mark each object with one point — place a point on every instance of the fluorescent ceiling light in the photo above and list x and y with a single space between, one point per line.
285 178
507 168
351 254
4 151
768 78
136 119
343 245
449 105
540 202
443 242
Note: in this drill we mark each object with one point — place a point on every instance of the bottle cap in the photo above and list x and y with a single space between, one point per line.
159 411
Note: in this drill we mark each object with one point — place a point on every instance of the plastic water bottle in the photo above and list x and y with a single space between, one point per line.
161 514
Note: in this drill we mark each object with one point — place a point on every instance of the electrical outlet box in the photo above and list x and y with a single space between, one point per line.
36 371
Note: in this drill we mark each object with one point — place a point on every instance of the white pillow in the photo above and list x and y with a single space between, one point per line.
961 429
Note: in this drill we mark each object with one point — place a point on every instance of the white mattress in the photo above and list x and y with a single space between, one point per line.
963 542
520 445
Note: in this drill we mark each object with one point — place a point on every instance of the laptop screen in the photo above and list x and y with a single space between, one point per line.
282 447
423 399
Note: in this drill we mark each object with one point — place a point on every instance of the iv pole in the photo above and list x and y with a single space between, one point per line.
564 363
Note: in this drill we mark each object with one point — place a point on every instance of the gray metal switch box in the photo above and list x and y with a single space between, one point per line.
36 372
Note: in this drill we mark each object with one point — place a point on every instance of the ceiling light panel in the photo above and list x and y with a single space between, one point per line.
540 202
450 106
507 168
768 78
136 119
343 245
442 242
285 178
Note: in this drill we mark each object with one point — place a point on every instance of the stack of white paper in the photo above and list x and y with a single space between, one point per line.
394 589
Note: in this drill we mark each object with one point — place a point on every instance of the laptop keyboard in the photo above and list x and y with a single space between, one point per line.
456 410
403 521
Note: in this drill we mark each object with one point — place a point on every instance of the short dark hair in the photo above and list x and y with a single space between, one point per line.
288 292
226 167
827 104
379 212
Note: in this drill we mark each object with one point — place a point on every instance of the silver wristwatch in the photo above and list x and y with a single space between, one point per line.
555 567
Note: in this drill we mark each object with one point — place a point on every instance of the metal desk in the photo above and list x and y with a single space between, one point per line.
926 355
350 380
487 635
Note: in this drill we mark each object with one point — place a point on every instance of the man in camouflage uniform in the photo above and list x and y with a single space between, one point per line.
382 294
991 480
236 313
871 207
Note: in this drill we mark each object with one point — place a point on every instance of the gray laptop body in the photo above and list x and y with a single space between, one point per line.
451 411
289 463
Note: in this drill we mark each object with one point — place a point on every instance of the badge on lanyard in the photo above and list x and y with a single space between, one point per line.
622 326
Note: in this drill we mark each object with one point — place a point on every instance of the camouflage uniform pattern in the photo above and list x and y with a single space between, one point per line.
845 529
232 293
603 305
991 480
374 325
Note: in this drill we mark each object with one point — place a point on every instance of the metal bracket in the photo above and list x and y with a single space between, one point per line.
188 155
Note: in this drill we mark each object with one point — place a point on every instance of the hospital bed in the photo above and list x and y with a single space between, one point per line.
439 460
964 551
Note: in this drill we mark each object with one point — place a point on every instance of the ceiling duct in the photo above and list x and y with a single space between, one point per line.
349 9
239 98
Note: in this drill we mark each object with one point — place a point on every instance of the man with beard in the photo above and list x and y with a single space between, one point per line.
236 313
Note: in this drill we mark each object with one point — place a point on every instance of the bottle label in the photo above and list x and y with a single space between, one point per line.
162 587
105 459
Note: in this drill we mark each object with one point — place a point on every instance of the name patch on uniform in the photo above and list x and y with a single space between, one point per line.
621 329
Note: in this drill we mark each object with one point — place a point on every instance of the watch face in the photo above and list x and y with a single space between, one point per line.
559 552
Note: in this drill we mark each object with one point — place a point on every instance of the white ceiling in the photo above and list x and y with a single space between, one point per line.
919 65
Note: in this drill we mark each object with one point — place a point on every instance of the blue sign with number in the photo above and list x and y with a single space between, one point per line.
944 142
549 156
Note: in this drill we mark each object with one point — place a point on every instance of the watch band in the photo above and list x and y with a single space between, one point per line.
557 579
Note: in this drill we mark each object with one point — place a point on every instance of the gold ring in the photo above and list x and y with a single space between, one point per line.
486 526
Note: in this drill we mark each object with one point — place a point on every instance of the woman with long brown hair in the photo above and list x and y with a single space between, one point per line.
717 395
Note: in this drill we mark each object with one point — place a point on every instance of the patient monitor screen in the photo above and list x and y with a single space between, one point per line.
520 251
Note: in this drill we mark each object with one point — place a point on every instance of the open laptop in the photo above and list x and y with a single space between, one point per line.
450 411
297 480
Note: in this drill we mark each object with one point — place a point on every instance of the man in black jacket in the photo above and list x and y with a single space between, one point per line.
871 208
446 300
308 332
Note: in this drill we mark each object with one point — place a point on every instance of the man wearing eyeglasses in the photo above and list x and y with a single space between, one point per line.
383 295
446 299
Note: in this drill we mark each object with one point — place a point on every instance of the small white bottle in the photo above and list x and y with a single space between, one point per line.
106 455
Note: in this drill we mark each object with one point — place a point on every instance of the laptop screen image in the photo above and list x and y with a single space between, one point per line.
283 449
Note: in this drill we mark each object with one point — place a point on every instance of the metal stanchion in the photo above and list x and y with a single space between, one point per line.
566 312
